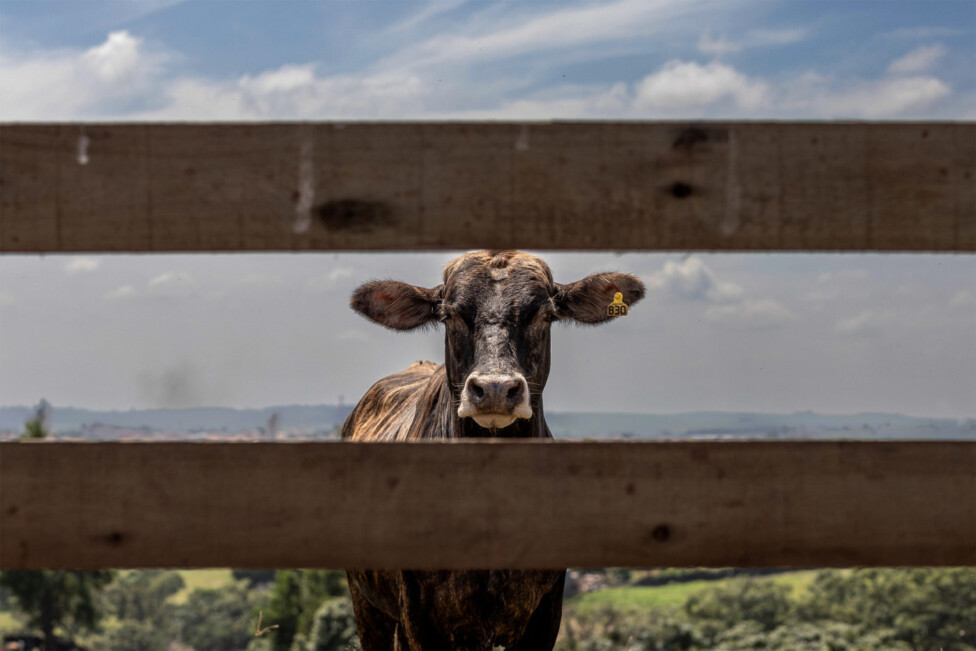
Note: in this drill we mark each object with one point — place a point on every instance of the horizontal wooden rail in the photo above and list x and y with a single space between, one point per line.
489 504
624 186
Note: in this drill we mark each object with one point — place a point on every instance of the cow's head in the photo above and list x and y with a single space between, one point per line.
497 307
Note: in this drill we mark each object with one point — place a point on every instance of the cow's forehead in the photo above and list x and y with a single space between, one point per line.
512 266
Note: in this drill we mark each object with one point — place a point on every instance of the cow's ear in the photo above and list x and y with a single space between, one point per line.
586 300
397 305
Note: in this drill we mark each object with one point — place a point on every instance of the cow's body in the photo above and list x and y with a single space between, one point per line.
442 610
497 307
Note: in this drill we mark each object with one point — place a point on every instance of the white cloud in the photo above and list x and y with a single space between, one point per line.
834 284
81 265
683 89
716 45
773 37
67 84
6 298
326 282
751 313
864 323
688 85
563 102
560 29
692 279
172 284
721 45
125 291
117 58
815 95
123 78
283 80
340 272
166 278
963 298
293 92
432 10
918 60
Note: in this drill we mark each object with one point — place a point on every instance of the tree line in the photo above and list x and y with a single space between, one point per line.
917 609
309 610
135 610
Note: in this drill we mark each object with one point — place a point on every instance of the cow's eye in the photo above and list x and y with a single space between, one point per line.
541 315
457 317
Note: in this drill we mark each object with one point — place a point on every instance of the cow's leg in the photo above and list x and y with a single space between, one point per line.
543 626
376 629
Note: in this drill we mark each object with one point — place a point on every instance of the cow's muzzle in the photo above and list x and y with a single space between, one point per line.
495 401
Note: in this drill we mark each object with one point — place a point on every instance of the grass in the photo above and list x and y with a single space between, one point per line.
631 598
201 580
8 624
799 581
638 597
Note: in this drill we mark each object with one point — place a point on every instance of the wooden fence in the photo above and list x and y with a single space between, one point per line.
622 186
292 187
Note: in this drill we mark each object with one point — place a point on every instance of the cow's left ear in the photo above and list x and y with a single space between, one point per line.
397 305
586 300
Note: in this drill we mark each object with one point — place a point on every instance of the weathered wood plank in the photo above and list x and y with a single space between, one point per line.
650 186
465 505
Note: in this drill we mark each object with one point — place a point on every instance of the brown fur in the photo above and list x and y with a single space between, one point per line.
497 307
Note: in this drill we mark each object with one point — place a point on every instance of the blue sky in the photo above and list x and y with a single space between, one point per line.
632 59
775 333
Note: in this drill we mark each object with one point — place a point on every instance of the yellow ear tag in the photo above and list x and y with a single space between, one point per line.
618 307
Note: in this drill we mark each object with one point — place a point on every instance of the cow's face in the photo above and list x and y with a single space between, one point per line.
497 308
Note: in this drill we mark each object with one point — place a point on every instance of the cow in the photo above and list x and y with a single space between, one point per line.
496 308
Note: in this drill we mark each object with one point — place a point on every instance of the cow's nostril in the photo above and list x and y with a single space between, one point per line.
514 393
477 391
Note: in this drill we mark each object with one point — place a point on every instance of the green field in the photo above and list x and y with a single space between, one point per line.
626 598
7 622
201 580
673 594
637 597
799 581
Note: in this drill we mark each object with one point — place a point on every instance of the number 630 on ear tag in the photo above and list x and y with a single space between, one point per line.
618 307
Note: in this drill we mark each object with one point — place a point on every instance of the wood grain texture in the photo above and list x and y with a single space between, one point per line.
487 505
623 186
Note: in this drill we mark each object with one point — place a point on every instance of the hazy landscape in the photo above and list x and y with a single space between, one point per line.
295 422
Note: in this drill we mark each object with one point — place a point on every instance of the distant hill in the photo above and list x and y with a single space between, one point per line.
718 425
64 419
695 425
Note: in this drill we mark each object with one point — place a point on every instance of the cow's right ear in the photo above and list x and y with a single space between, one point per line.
397 305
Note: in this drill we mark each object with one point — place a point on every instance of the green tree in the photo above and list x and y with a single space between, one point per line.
927 608
742 600
139 601
295 598
52 599
335 627
36 427
133 635
217 620
254 577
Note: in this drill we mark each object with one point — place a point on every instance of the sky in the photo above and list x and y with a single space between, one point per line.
836 333
451 59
